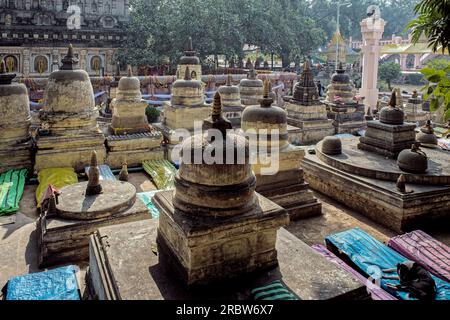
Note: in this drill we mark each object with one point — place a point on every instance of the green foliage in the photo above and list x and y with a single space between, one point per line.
152 114
438 64
438 89
433 21
388 72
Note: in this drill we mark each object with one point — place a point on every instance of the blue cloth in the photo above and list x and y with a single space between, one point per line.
154 102
56 284
105 172
372 257
146 198
99 94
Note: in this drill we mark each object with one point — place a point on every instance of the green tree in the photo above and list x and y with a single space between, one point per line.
388 72
433 21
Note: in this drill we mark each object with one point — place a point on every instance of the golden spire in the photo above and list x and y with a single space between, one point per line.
129 71
217 105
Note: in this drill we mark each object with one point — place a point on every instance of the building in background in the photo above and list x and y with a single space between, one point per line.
34 34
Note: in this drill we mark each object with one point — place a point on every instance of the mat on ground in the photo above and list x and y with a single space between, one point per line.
55 284
273 291
146 198
162 173
372 258
105 172
375 291
425 250
57 177
12 184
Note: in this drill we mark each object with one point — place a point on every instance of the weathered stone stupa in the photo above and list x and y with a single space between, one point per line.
342 107
285 186
231 102
69 130
215 231
15 120
132 139
306 112
186 108
389 135
191 61
413 110
79 210
251 89
218 206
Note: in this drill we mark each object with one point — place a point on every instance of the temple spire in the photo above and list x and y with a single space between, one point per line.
267 100
229 80
217 105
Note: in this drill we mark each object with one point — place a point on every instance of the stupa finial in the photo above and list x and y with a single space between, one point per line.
267 100
187 74
129 71
190 46
252 74
217 105
93 187
69 61
307 64
266 88
341 66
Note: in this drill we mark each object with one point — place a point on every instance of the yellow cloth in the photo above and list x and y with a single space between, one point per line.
57 177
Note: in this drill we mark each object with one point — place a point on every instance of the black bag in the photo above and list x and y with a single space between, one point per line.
416 280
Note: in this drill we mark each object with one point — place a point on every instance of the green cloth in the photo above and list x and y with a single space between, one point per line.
162 172
146 198
12 184
273 291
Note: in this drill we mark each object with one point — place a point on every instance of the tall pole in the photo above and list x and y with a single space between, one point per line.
337 32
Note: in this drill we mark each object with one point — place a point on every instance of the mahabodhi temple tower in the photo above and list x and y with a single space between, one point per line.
35 33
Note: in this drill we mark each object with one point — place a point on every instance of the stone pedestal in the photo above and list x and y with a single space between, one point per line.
372 30
251 89
347 118
120 269
63 234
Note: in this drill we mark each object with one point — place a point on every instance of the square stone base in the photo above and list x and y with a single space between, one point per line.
62 241
133 158
378 199
16 157
210 249
125 263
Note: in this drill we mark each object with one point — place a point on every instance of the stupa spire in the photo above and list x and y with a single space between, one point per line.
267 100
69 61
229 80
93 187
217 105
393 101
129 71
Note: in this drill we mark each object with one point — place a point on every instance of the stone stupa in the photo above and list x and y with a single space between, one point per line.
413 110
231 102
342 107
132 139
278 172
69 131
306 112
191 61
251 89
15 121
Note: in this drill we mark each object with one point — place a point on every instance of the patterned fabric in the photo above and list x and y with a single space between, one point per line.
12 184
162 172
371 257
425 250
56 284
273 291
375 291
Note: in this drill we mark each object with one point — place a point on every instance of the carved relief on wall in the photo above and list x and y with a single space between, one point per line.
40 64
96 64
11 63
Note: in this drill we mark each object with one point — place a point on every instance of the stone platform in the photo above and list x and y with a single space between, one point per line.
367 183
63 237
126 264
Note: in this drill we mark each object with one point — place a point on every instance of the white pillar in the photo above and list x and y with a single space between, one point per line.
372 30
403 62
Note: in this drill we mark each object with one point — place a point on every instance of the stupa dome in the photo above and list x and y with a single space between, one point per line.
340 76
187 91
391 114
251 80
413 160
218 186
69 90
129 87
332 145
426 136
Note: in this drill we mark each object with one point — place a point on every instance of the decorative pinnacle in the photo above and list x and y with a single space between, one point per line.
187 74
341 66
307 65
266 89
252 74
190 46
129 71
217 105
393 101
94 161
69 60
229 80
401 183
5 77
